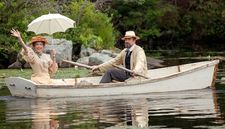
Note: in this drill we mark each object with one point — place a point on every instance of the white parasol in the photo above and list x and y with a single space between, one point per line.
50 24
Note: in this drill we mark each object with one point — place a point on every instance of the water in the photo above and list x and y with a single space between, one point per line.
186 109
198 109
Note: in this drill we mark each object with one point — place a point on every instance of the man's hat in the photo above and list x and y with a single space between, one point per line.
38 39
130 34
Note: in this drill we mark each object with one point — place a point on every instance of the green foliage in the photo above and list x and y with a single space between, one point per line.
166 22
171 21
94 29
91 40
17 14
198 21
141 16
205 19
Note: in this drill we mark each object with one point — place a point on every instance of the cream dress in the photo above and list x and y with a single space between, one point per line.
40 66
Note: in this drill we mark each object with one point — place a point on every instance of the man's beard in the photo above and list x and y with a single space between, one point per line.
127 45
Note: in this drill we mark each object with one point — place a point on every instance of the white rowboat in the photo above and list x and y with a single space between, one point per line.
175 78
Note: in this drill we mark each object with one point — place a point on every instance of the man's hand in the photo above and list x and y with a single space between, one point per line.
132 74
95 68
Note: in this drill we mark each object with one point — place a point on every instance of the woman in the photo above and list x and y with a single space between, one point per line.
42 64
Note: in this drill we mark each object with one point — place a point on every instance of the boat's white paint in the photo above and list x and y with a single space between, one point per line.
176 78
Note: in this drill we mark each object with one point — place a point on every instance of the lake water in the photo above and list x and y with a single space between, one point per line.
198 109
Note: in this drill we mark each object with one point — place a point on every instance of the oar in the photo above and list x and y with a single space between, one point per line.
130 71
77 64
89 67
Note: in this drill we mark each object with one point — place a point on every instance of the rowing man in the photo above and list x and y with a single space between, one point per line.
132 57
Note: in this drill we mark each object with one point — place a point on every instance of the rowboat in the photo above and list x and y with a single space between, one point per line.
190 76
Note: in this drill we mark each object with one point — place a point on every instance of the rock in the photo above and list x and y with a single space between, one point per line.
20 63
106 55
109 53
15 65
86 51
154 63
63 48
114 55
98 58
155 60
83 60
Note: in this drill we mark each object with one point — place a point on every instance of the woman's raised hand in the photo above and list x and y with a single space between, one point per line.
15 33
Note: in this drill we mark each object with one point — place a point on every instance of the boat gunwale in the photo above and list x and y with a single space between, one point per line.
124 84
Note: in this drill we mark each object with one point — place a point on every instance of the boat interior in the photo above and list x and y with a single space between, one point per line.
152 74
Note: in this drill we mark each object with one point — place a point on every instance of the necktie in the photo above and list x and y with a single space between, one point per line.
127 59
128 52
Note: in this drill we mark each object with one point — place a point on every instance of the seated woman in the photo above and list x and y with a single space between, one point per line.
42 64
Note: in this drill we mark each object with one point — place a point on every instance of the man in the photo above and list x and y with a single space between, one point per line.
132 57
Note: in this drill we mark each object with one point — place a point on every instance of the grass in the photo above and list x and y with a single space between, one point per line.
26 73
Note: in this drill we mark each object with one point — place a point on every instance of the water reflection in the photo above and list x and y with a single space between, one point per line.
40 112
139 114
43 115
188 109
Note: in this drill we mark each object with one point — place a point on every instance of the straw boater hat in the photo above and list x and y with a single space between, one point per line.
38 39
130 34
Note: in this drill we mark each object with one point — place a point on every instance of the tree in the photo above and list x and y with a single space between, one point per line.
17 14
199 22
142 16
171 23
94 29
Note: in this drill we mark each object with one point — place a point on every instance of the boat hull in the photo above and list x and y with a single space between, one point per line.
196 78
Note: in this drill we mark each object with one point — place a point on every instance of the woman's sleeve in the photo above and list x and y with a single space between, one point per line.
28 56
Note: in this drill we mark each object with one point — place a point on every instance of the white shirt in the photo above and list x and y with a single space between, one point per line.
131 48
